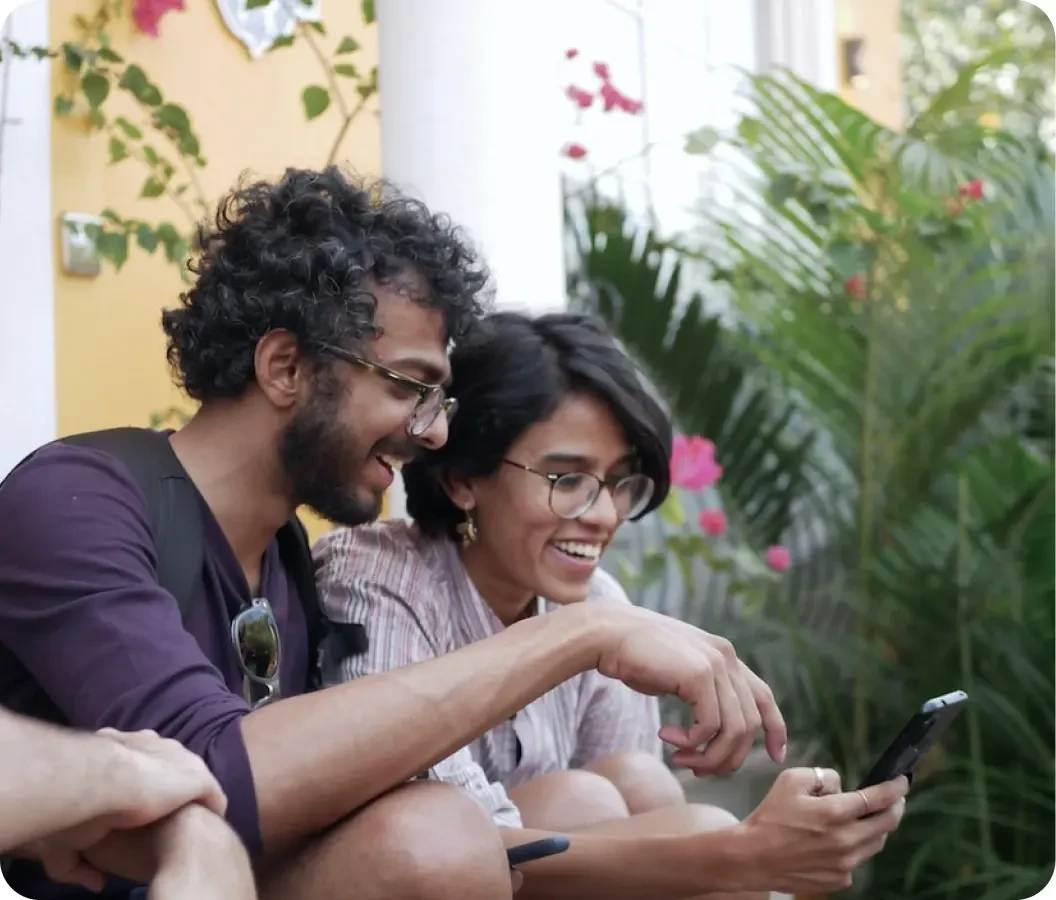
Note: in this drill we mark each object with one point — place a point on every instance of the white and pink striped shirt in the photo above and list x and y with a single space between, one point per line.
416 601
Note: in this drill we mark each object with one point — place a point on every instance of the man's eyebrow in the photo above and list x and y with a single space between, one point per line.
424 369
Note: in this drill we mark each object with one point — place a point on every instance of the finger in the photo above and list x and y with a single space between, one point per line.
212 796
701 695
69 867
750 711
867 803
731 739
803 781
773 723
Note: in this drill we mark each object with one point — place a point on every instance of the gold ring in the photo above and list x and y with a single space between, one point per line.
819 781
865 802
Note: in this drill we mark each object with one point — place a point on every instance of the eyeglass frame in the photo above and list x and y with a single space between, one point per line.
447 406
272 683
554 477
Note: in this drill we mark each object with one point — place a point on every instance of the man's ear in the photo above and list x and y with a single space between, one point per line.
282 370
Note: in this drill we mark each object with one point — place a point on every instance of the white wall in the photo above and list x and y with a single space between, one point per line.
27 279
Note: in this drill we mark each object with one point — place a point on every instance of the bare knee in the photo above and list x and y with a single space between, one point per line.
424 840
643 780
568 801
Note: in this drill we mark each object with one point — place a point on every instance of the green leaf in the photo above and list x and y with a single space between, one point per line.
348 45
671 510
783 186
152 187
654 565
189 145
151 155
371 87
369 13
130 130
847 258
97 118
118 150
346 71
176 251
113 247
283 40
146 237
316 100
318 26
174 117
135 81
63 105
73 56
96 88
257 4
111 216
702 141
110 56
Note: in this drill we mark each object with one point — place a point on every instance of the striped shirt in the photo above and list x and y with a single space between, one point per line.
416 601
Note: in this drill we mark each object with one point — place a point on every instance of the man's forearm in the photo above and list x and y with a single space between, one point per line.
54 777
319 757
600 867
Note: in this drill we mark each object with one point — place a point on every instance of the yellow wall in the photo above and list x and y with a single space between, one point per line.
877 22
110 367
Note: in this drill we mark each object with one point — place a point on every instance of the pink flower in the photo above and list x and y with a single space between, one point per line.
147 13
855 286
973 190
583 99
693 465
612 99
713 522
602 70
575 151
571 53
778 558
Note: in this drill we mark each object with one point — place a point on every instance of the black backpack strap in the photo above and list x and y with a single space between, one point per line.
172 502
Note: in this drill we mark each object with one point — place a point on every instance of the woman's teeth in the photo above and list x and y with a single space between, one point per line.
578 550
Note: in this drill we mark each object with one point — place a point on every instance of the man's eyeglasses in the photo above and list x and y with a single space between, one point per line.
431 398
572 494
255 634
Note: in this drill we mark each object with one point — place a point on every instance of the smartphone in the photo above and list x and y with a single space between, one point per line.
920 734
524 853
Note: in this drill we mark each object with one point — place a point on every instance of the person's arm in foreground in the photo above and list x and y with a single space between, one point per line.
87 619
130 804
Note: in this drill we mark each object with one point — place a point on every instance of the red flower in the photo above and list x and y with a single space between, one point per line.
571 53
855 286
713 522
693 465
602 70
147 13
611 99
973 190
583 99
575 151
778 558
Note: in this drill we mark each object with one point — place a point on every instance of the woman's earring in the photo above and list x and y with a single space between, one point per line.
467 529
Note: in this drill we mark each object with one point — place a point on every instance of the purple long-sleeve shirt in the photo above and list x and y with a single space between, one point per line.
89 639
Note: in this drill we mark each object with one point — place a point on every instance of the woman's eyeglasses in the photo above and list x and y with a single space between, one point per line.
572 494
431 398
255 634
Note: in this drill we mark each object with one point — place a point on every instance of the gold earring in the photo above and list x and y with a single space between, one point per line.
467 529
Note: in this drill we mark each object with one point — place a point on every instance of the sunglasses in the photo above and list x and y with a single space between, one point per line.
255 634
431 398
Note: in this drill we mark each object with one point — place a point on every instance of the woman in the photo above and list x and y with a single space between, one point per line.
555 445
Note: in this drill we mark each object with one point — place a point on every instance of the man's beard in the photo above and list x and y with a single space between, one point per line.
320 458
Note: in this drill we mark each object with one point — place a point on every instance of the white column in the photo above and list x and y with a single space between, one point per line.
800 35
470 124
27 271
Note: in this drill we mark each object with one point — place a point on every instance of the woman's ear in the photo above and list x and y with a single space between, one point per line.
460 492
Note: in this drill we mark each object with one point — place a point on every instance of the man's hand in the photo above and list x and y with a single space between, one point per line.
656 654
147 778
800 839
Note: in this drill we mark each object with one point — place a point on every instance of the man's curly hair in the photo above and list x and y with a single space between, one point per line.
300 255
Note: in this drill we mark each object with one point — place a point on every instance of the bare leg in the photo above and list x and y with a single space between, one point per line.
423 840
568 801
643 779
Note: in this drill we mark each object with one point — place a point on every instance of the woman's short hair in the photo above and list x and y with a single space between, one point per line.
513 372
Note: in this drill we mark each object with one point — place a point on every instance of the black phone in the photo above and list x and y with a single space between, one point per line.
533 850
920 734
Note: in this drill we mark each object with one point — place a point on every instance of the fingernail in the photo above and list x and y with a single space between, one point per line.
783 752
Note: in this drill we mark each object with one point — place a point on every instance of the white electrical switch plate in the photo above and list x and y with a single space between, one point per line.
80 253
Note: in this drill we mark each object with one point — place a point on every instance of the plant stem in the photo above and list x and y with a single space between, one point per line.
964 636
342 131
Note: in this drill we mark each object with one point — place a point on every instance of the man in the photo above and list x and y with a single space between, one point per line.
315 338
63 793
